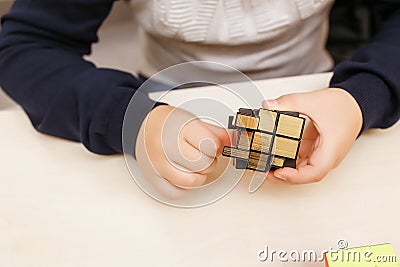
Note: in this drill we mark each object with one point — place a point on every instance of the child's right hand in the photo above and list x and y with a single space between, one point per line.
181 147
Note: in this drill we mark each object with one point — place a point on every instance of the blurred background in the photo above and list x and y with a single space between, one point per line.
5 102
116 49
353 22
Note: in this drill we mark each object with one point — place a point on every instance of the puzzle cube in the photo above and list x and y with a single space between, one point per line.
265 139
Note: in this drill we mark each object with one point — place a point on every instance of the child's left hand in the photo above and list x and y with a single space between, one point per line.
336 121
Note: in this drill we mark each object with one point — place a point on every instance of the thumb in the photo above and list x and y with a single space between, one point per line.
221 133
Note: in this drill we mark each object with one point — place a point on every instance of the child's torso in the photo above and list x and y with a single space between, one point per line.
261 35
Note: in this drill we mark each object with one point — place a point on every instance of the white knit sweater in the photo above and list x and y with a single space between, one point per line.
262 38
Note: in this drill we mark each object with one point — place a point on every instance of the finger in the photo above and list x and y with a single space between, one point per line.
306 148
271 178
151 175
221 133
310 131
302 162
202 138
209 168
193 160
318 165
181 177
309 141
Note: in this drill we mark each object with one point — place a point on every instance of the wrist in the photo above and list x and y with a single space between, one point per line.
350 106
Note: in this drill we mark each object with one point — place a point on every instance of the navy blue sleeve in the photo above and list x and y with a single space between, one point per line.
42 44
372 76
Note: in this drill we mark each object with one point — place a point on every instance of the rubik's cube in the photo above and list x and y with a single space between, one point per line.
265 139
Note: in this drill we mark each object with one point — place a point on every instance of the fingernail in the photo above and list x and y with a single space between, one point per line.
279 176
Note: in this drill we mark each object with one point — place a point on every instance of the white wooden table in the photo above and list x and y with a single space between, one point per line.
61 205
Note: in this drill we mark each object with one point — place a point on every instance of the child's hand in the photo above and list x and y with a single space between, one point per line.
336 121
181 147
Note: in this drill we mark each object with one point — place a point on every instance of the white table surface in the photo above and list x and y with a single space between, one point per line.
61 205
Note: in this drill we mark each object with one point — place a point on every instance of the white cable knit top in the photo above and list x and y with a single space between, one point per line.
262 38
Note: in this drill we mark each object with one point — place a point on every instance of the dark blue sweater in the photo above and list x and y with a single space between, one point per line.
42 43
